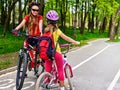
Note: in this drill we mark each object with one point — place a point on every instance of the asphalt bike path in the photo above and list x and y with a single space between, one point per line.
95 67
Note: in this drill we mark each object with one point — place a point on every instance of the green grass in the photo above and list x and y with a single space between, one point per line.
86 37
5 64
10 43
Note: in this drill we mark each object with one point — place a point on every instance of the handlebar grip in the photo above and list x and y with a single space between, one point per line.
64 45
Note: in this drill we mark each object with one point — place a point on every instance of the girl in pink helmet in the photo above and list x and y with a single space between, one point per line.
52 18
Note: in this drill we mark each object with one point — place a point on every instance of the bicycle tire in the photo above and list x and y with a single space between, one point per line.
35 64
40 83
68 77
38 68
21 70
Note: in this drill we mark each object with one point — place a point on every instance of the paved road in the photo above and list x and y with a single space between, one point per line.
96 67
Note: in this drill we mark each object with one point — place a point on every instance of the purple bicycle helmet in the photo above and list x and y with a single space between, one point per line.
52 15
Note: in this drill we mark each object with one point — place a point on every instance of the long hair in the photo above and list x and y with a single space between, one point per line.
33 20
51 28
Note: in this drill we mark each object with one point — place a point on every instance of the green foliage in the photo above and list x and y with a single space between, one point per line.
83 38
12 43
106 7
118 1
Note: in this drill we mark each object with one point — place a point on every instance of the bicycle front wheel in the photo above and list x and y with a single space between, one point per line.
21 70
68 83
42 81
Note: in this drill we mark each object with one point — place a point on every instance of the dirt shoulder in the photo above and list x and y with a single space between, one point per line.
8 60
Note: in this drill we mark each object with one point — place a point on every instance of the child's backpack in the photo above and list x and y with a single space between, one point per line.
46 46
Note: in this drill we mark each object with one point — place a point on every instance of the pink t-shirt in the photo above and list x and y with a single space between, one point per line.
35 32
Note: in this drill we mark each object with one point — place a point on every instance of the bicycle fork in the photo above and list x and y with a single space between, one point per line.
66 65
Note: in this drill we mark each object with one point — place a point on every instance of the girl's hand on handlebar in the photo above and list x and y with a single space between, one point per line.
76 43
15 32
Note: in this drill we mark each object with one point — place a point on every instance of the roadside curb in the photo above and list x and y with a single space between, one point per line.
8 70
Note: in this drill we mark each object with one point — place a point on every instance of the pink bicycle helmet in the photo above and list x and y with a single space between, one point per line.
52 15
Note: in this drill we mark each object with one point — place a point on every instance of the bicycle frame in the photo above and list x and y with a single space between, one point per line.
30 47
54 71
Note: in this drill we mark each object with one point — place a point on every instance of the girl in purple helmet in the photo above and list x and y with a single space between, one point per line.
52 18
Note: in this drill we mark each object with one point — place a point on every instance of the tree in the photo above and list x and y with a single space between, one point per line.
10 8
112 32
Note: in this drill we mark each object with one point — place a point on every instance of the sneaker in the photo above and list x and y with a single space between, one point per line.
62 88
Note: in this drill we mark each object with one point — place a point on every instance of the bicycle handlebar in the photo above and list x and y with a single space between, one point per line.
64 45
67 46
28 36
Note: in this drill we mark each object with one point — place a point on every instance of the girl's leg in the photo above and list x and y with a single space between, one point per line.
48 65
31 53
25 44
59 63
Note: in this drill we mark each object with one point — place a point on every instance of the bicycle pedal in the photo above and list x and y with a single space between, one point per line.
39 61
45 86
26 75
37 75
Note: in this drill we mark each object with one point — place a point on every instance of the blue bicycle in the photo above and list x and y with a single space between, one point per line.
25 61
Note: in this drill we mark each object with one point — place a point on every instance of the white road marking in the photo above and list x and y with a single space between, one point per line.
8 81
114 81
75 67
27 87
6 74
8 86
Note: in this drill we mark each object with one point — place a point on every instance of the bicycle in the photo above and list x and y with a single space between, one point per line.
49 81
24 62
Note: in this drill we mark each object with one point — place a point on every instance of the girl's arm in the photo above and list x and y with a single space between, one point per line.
65 37
21 25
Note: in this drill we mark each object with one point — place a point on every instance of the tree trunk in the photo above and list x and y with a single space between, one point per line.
42 2
83 18
13 18
118 29
103 26
97 22
20 12
3 13
112 32
91 22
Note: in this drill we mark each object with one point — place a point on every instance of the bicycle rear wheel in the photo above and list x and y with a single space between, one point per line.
68 72
42 81
21 70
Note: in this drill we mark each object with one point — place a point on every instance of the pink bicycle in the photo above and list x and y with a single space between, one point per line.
42 82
